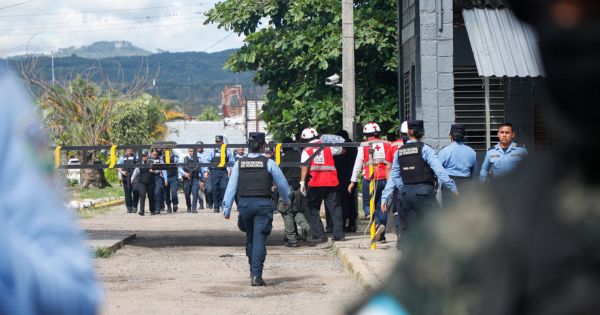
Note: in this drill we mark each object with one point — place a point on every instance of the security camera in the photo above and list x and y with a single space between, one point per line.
332 80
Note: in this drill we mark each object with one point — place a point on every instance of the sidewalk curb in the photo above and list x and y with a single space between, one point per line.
109 203
356 267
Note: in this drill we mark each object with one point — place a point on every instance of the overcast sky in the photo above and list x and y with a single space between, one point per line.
44 25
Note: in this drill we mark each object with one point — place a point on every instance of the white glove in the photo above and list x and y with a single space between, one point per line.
303 188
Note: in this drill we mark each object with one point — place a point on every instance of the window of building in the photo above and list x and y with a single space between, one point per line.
469 105
407 114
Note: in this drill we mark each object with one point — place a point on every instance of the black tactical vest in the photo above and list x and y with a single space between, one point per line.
254 178
129 160
172 171
217 159
193 170
145 175
413 168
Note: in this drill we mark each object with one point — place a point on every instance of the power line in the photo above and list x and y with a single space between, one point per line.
103 11
16 4
218 42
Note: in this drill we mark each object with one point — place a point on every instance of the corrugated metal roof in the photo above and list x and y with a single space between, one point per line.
502 44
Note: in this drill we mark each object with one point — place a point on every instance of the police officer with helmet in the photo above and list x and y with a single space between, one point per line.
459 160
251 179
415 172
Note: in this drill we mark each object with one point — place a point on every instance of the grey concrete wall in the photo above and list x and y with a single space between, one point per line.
435 97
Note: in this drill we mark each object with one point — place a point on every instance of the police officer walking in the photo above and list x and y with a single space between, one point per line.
172 179
191 181
203 157
459 160
160 182
145 185
251 179
125 173
504 157
321 187
219 176
414 173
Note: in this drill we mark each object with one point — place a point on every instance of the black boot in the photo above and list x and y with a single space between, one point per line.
175 207
257 282
169 209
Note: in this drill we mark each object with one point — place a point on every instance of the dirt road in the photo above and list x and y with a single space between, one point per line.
195 264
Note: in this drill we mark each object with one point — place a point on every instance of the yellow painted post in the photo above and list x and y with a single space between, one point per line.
278 153
372 203
168 156
113 156
57 156
223 155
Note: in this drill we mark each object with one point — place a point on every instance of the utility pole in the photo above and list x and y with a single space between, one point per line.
348 90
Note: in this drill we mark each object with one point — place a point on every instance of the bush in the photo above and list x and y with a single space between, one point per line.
111 175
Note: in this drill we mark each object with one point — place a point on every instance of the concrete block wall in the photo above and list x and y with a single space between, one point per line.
435 95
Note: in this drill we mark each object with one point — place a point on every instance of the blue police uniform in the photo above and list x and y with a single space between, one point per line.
499 162
417 196
172 177
217 179
129 188
191 185
45 267
204 157
255 211
460 161
160 181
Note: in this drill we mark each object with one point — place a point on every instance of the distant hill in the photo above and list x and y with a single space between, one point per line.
194 79
103 50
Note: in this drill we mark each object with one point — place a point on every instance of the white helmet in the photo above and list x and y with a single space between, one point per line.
371 128
309 133
404 127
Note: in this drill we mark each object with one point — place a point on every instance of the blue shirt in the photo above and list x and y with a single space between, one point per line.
203 157
431 159
459 160
45 267
499 162
272 168
121 160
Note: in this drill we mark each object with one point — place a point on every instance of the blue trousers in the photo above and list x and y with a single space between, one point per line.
216 185
159 192
190 188
256 219
131 194
171 190
416 200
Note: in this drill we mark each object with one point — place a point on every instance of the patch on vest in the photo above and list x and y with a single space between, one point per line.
319 158
378 151
252 164
408 151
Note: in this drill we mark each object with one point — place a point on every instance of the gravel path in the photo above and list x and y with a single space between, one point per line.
195 264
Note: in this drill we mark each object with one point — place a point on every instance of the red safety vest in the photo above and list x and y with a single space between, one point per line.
396 145
382 154
322 168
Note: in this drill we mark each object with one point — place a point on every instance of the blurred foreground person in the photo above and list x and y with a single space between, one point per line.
251 180
527 244
45 267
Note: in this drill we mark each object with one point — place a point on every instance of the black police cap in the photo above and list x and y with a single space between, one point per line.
199 142
218 138
457 127
415 124
257 137
144 152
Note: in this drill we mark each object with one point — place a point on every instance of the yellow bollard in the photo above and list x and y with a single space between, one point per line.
372 203
168 156
278 153
57 156
113 156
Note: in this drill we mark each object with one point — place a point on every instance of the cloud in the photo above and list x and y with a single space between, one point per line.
42 26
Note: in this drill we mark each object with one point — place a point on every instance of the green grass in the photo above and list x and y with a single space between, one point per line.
104 252
108 192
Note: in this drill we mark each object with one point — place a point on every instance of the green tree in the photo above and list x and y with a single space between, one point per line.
209 113
300 46
137 121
